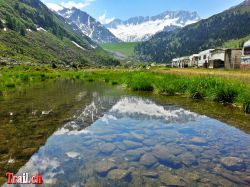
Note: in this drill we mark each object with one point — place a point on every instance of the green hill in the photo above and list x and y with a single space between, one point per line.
125 48
236 43
232 24
55 41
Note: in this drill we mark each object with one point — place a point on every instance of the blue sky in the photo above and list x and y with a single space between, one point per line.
106 10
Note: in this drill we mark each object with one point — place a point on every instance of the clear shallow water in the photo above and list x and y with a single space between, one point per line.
135 142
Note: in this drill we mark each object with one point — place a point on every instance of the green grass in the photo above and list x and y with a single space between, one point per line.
237 43
211 88
126 48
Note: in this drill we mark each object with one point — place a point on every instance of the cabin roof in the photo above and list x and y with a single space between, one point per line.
247 44
206 51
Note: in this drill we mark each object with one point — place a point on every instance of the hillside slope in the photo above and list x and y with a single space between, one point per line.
126 49
29 31
88 25
209 33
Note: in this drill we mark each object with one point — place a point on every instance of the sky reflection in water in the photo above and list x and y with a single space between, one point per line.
138 142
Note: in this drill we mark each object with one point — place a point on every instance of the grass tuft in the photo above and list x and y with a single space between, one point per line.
140 82
226 94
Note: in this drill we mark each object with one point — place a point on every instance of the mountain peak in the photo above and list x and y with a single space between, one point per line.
88 25
213 32
246 3
141 28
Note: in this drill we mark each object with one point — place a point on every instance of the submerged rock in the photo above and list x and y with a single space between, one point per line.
167 159
131 144
134 155
107 148
148 160
150 174
138 137
187 159
188 131
233 163
168 149
104 166
149 142
119 174
72 154
247 179
199 141
169 179
167 155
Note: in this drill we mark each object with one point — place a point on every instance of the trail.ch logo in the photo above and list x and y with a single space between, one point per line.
24 178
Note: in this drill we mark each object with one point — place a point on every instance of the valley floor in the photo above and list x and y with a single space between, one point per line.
241 75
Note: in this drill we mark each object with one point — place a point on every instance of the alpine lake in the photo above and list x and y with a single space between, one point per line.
76 133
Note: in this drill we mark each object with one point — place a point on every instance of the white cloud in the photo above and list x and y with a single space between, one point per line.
67 4
104 19
80 5
54 6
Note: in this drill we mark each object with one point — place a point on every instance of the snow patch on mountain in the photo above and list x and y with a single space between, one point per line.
77 45
139 32
88 25
142 28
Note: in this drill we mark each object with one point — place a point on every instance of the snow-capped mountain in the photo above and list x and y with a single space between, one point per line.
142 28
88 25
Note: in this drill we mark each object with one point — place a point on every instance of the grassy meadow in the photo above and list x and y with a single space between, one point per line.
125 48
220 87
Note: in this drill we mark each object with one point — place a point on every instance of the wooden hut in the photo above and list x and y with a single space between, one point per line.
232 58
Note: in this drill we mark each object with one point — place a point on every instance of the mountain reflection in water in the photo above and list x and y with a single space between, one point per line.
135 142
